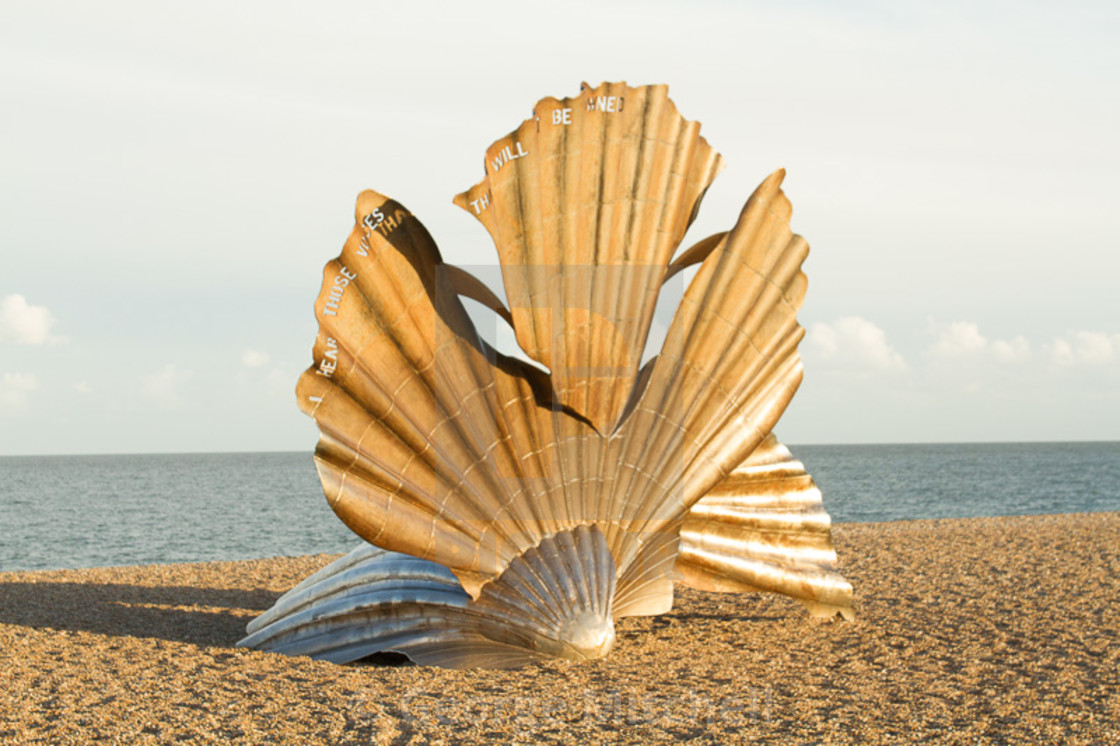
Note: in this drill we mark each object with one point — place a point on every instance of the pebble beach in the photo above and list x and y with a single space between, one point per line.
1002 630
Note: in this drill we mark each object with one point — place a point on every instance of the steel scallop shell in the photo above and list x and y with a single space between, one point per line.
522 482
372 601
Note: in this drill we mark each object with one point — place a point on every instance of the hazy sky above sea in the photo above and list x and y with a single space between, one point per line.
174 177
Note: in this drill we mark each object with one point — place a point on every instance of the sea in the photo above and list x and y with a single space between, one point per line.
92 511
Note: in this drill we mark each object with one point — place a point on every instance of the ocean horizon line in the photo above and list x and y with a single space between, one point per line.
791 445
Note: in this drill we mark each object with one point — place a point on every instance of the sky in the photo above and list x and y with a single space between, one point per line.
174 176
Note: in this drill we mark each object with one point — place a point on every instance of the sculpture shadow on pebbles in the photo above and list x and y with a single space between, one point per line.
182 613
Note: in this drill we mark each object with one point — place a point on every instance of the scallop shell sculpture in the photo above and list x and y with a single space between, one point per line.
512 511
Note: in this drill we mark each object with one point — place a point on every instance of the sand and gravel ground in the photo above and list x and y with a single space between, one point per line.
999 630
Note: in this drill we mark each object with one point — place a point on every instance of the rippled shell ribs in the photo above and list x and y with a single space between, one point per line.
514 510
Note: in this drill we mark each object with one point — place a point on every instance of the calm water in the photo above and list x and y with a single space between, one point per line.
88 511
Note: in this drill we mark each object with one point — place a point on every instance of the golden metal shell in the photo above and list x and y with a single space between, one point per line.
586 203
436 446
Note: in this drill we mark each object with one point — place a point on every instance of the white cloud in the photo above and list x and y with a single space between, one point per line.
82 387
254 359
963 339
163 386
15 389
25 324
959 339
1084 348
856 344
1012 350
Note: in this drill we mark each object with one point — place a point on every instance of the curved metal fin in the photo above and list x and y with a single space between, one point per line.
586 203
764 528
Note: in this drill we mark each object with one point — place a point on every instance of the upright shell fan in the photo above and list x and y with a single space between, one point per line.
520 511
